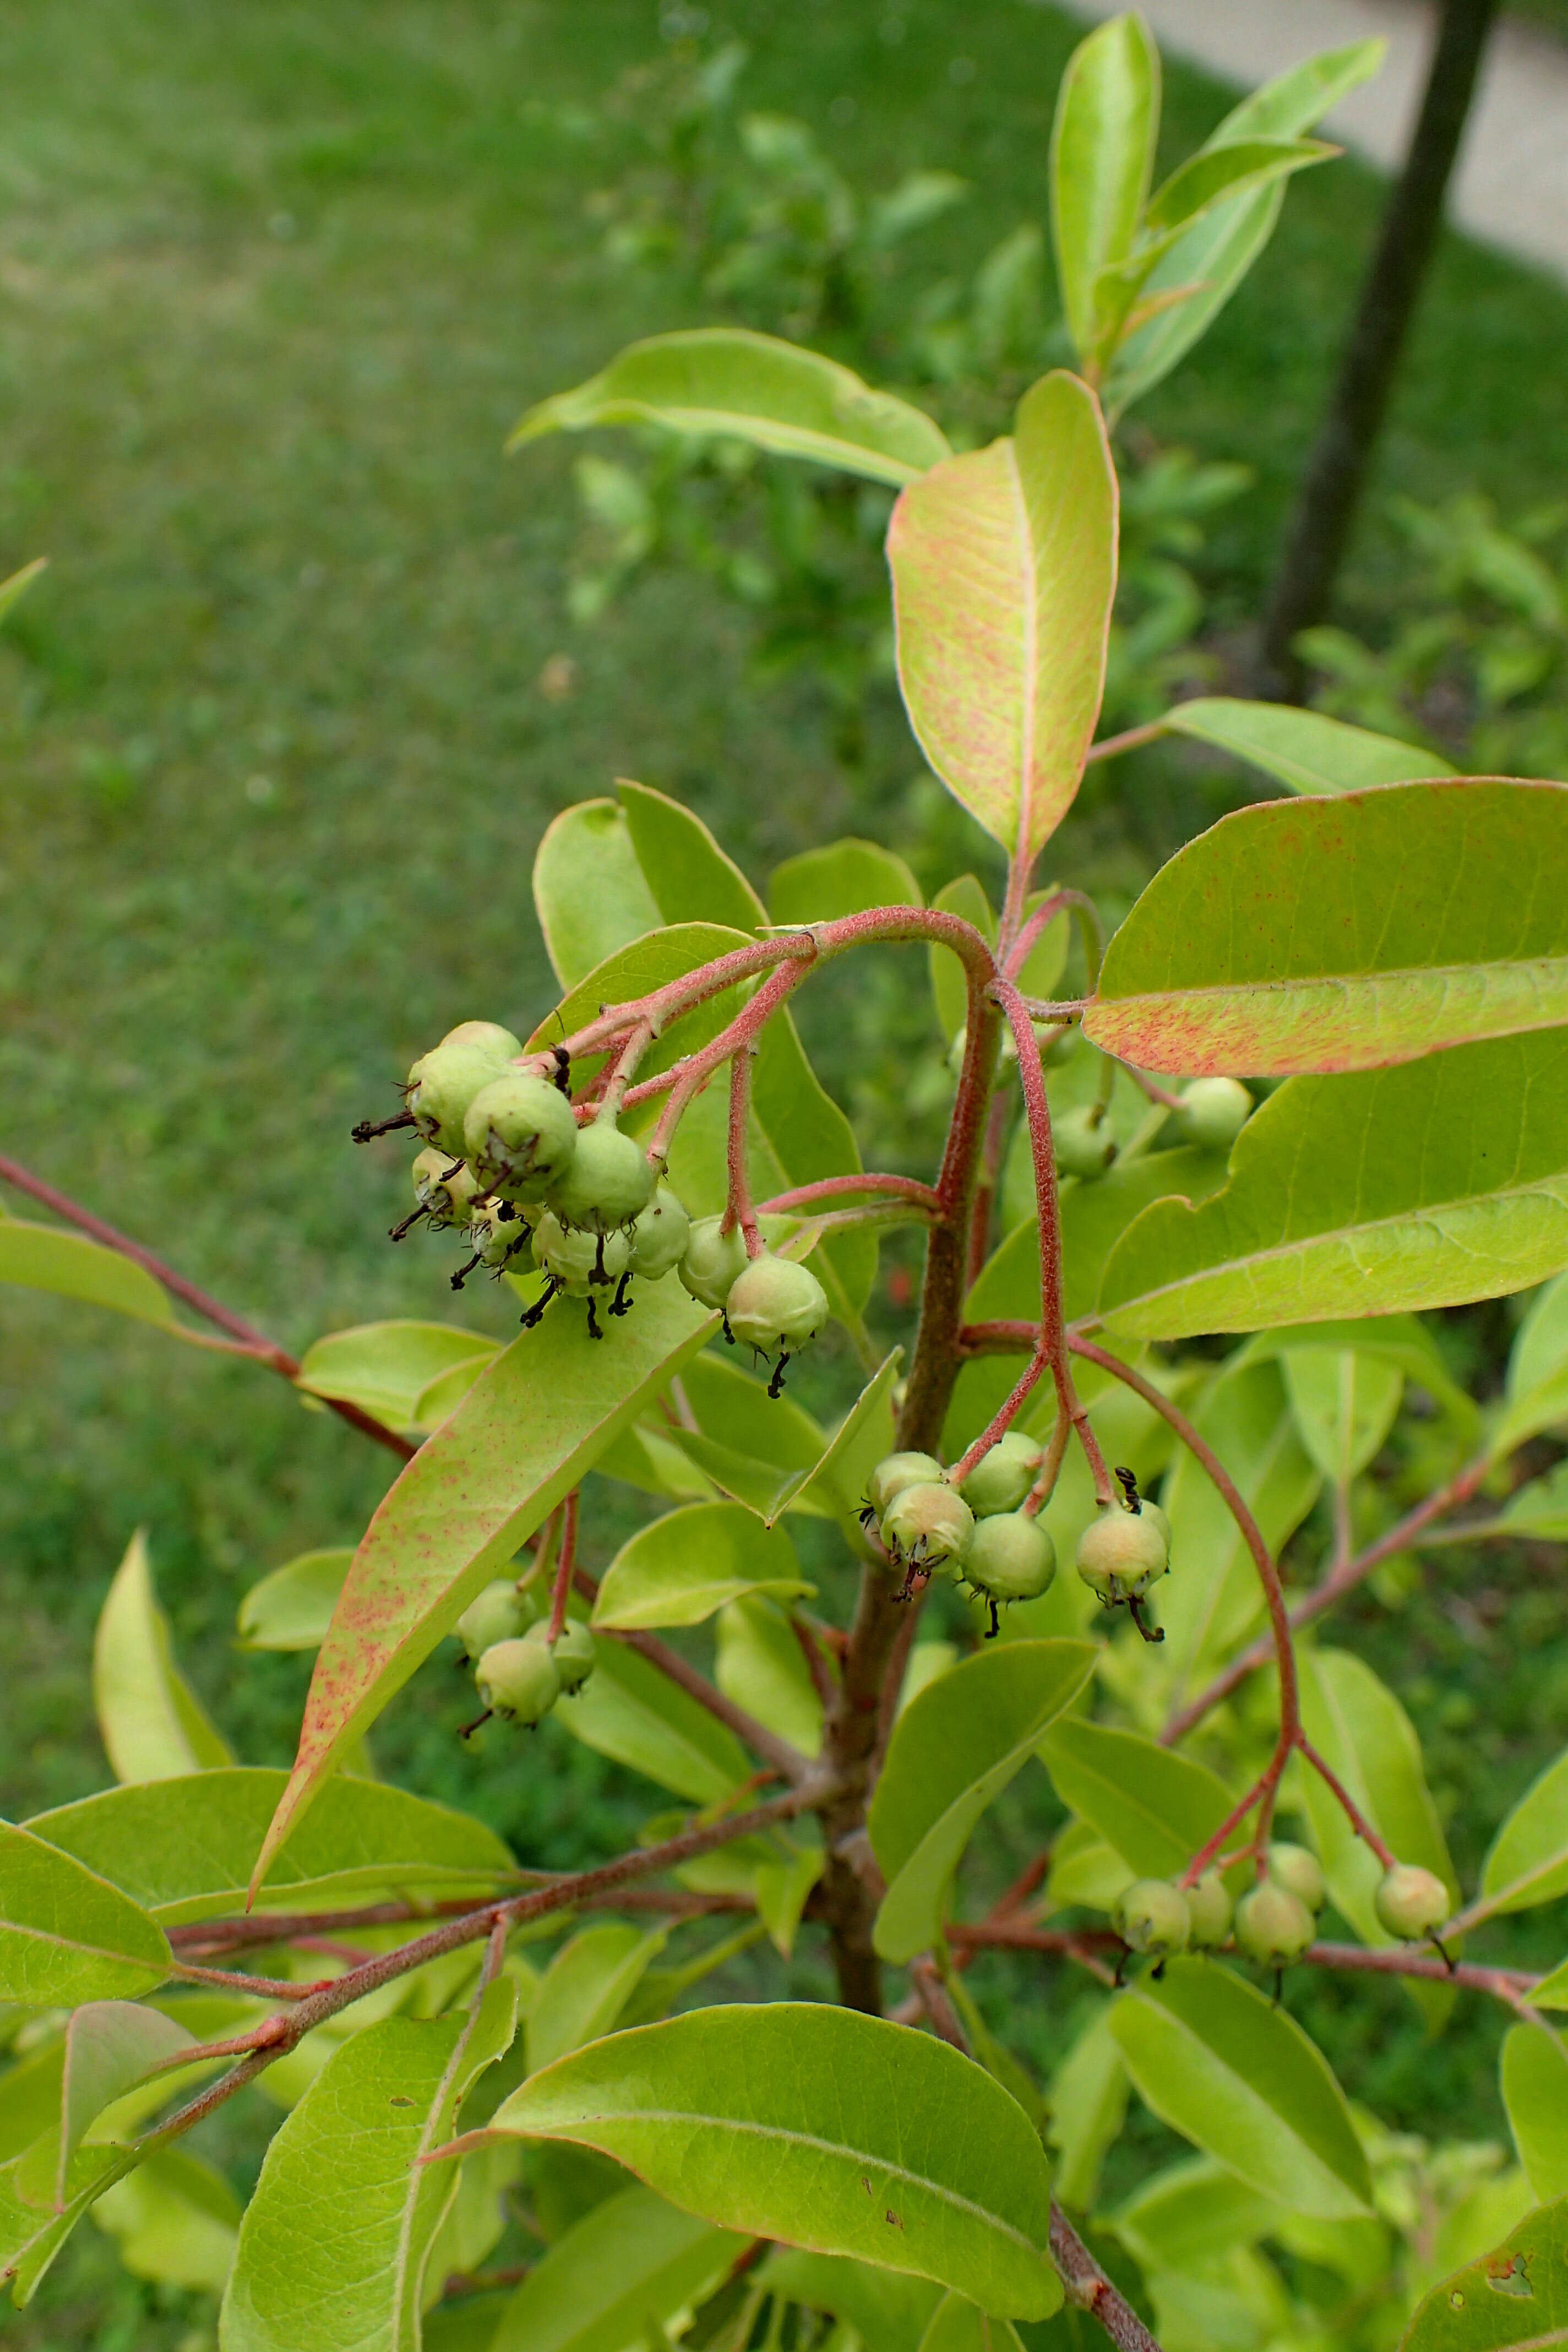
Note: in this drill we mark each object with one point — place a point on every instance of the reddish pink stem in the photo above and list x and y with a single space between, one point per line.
834 1188
738 1209
1353 1812
566 1565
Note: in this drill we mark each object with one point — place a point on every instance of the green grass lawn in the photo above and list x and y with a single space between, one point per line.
274 283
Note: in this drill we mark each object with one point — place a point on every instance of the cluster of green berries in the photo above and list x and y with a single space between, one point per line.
978 1530
506 1163
1275 1921
518 1671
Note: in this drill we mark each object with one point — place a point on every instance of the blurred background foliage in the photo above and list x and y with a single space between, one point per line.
312 667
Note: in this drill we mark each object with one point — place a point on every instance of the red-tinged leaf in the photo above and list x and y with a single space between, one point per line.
533 1422
1347 933
1004 572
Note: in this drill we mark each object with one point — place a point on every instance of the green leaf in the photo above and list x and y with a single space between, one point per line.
1534 2067
888 2312
588 890
17 585
1345 1403
1396 1341
691 878
843 2133
633 2258
1540 1507
176 2220
32 2233
754 388
109 2046
45 1257
828 1483
957 2325
954 1750
586 1986
1088 2107
1328 935
1239 167
522 1438
385 1368
686 1566
965 898
629 1711
1153 1807
152 1722
1537 1372
1367 1740
1102 157
333 2245
1301 749
1212 1598
760 1666
1429 1185
1004 567
66 1934
847 878
185 1849
1517 2295
1209 260
292 1608
1236 2076
1529 1859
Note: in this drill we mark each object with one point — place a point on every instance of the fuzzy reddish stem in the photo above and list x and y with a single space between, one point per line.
835 1188
739 1210
1260 1794
1131 738
1353 1812
566 1566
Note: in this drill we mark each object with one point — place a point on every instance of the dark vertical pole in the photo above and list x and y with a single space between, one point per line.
1337 467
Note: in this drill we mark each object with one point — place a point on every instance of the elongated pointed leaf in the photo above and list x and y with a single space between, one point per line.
1155 1808
46 1257
588 890
1088 2107
1429 1185
954 1750
1214 253
176 2220
754 388
583 1990
1514 2297
385 1368
292 1608
1003 567
692 880
847 878
628 1710
1233 170
958 2326
1534 2069
31 2231
185 1849
66 1935
18 584
153 1723
760 1667
1529 1859
683 1568
109 2046
1540 1507
1328 935
1102 157
1301 749
1237 2077
633 2258
1396 1341
888 2310
839 2132
333 2245
520 1440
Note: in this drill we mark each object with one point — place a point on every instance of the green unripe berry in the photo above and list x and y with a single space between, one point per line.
659 1236
575 1261
1002 1478
1214 1112
925 1524
495 1615
572 1651
608 1183
1410 1901
1120 1553
712 1260
441 1086
1083 1144
520 1136
775 1304
1010 1557
895 1472
498 1239
518 1680
446 1199
1152 1916
1209 1909
1273 1927
1298 1868
488 1037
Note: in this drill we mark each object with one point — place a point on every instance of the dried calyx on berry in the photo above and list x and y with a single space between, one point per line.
1152 1917
926 1524
1001 1477
1214 1111
579 1264
497 1614
499 1237
1273 1927
660 1236
1082 1142
609 1182
1010 1557
775 1306
518 1680
1121 1553
1209 1911
445 1190
711 1260
1298 1868
572 1649
520 1135
1411 1902
443 1082
894 1473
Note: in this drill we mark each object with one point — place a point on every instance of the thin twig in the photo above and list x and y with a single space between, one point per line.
1088 2286
565 1567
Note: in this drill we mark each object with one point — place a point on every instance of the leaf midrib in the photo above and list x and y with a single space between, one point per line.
1375 977
1257 2102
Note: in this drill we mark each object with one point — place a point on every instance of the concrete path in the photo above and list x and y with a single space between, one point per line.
1511 188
